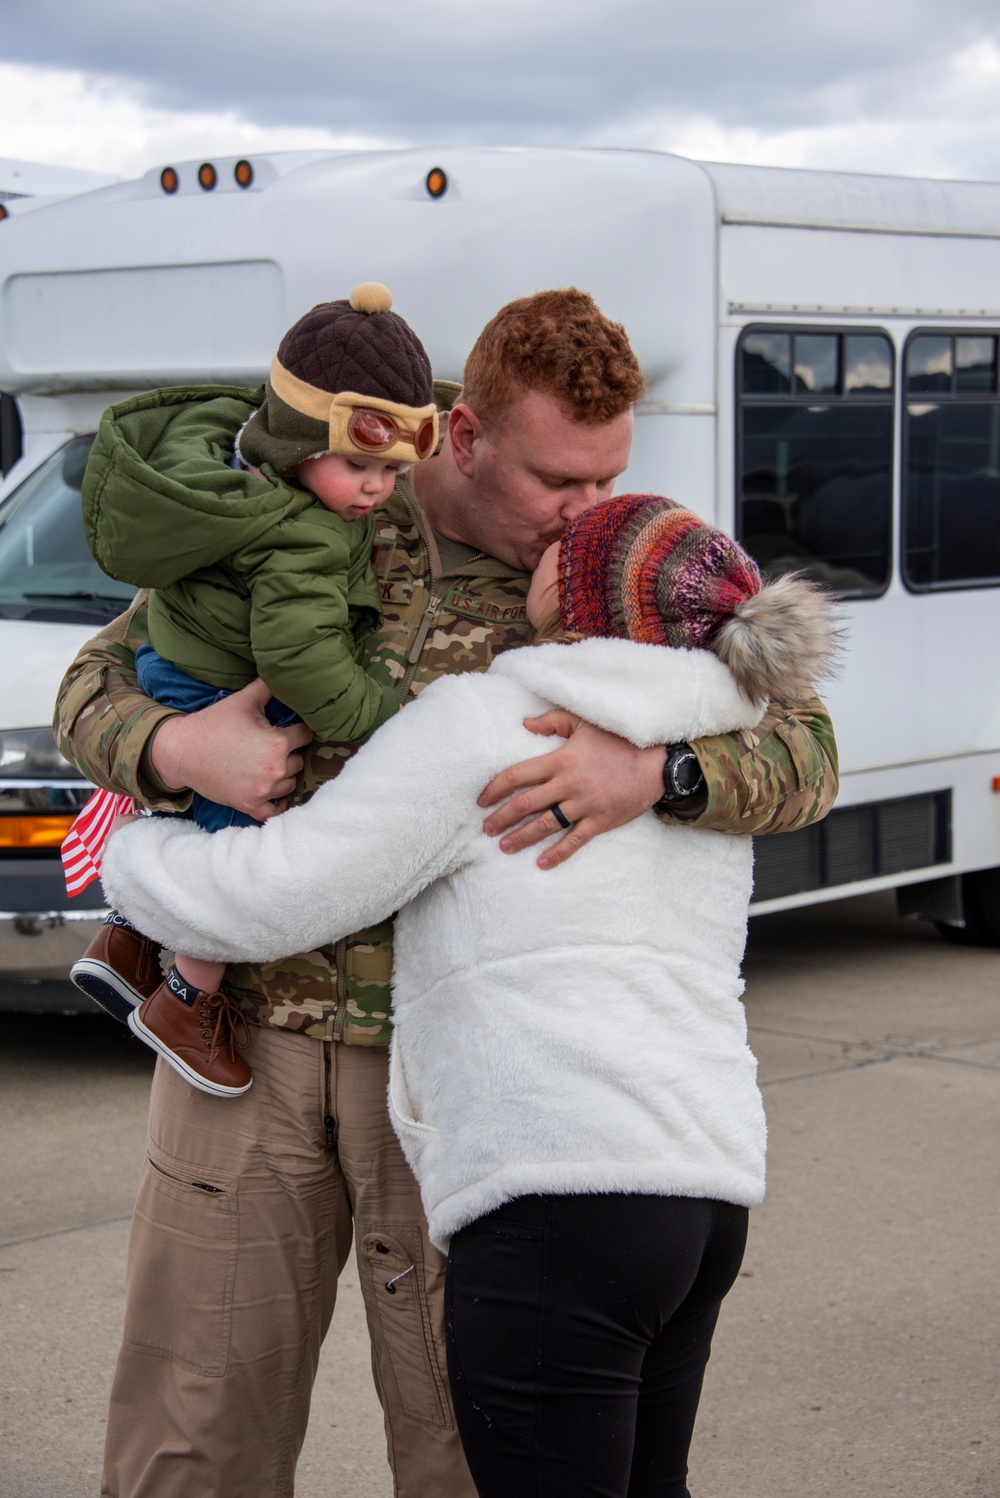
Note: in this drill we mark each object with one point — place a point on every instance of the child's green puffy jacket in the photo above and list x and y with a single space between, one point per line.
251 577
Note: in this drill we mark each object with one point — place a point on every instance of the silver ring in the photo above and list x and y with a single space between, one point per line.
560 815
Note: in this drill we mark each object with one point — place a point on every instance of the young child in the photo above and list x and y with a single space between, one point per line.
254 528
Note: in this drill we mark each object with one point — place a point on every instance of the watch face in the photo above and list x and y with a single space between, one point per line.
685 773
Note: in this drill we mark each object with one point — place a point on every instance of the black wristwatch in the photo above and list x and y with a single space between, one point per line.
682 777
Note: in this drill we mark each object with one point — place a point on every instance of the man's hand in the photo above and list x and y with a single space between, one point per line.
597 779
230 753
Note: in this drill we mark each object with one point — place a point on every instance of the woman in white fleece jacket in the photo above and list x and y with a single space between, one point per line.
570 1078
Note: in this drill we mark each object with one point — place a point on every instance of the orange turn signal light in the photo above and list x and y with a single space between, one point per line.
3 213
436 182
169 179
996 782
34 832
207 176
243 172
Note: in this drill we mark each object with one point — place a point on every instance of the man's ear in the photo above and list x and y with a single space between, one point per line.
464 431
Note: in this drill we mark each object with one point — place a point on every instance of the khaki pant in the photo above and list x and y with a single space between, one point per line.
242 1225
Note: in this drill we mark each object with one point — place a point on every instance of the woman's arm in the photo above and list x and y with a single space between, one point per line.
400 814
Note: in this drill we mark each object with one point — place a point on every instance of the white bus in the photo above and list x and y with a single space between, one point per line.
821 358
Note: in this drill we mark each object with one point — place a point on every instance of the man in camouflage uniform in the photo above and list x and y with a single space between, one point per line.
246 1209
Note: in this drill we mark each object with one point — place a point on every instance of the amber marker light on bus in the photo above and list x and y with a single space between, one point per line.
436 182
169 179
3 213
207 176
996 782
34 832
243 172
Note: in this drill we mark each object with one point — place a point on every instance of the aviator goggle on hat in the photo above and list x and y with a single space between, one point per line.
350 377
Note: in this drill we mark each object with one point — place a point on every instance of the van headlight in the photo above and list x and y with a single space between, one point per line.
31 754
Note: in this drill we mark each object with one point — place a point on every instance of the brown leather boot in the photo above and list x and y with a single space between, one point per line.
198 1033
119 969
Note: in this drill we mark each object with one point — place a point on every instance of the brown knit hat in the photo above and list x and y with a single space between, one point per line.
349 377
640 567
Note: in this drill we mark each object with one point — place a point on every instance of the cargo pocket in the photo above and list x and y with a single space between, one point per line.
803 751
182 1266
408 1360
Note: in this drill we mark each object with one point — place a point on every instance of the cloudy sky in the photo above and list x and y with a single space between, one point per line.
907 86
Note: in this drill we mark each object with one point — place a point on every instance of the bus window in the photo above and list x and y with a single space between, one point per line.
816 363
928 366
951 471
765 363
867 364
814 455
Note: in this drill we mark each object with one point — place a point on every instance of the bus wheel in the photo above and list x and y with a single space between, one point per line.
981 902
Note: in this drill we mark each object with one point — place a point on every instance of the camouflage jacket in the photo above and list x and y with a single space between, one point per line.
780 776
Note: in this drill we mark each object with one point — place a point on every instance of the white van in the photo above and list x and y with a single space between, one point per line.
52 597
821 357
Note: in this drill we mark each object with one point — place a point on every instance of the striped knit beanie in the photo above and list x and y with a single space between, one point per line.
643 568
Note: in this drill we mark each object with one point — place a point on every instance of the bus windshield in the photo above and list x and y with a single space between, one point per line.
46 569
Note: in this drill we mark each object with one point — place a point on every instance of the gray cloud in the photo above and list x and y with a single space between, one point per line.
527 70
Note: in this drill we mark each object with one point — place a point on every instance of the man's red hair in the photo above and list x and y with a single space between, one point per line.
559 343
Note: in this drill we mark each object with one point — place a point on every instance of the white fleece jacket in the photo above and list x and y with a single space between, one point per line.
576 1030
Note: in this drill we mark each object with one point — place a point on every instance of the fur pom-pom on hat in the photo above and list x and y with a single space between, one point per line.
641 567
781 641
371 296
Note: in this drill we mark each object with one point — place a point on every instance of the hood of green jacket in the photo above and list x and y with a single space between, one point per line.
163 456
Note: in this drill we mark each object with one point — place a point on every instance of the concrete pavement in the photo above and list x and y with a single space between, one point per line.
858 1351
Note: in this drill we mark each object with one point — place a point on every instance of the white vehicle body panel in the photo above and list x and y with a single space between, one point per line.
34 656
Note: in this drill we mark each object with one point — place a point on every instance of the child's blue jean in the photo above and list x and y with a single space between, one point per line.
167 683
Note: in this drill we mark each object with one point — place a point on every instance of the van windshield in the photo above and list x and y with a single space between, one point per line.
46 569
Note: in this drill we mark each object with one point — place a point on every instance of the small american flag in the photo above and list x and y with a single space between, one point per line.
84 842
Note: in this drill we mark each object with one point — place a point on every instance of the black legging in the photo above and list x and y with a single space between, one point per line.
578 1331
